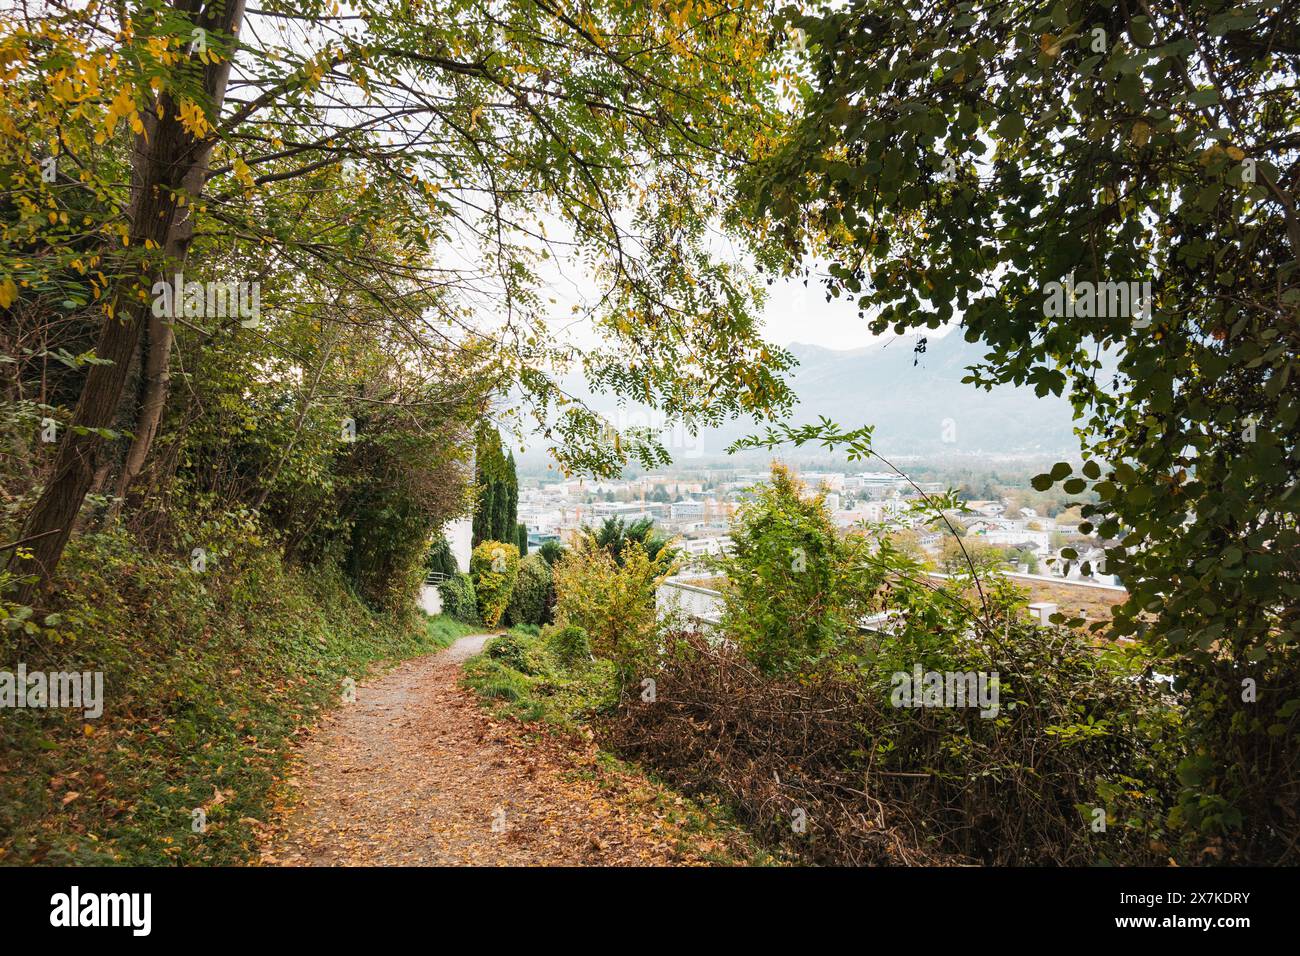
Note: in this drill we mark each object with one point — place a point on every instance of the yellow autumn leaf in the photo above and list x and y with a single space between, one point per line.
122 105
193 119
242 173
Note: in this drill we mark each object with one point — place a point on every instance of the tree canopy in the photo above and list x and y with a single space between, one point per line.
404 173
954 161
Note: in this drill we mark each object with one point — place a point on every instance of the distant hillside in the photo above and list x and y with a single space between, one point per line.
909 396
908 403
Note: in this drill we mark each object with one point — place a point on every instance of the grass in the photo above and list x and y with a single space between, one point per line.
524 676
443 631
208 680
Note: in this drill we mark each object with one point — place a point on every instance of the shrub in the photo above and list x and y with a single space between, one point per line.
795 587
883 784
520 652
528 677
552 551
494 567
613 602
458 598
568 644
532 599
439 557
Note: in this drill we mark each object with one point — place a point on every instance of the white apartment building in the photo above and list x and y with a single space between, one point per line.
696 547
684 510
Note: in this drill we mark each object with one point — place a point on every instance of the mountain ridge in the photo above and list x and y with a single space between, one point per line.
916 401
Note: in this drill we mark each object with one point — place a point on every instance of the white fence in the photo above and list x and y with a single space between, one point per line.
698 604
704 605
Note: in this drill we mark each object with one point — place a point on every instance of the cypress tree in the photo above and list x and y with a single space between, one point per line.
484 512
512 492
488 468
502 530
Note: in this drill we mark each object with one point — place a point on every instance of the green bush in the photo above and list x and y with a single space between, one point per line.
494 567
529 677
552 551
569 644
795 586
613 601
519 651
532 599
508 649
458 598
439 557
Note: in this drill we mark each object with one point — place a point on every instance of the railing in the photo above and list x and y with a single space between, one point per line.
699 604
435 577
1048 579
704 605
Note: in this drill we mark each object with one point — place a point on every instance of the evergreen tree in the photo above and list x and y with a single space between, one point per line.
521 533
491 476
512 491
502 529
440 558
484 511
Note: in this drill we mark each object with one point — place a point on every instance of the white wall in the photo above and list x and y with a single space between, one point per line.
430 599
460 535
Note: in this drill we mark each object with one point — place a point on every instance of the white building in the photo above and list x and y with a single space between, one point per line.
460 535
696 547
682 510
873 512
628 510
1008 536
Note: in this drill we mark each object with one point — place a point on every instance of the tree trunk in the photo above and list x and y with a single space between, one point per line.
161 332
166 160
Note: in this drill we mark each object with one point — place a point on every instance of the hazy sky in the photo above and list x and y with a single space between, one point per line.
797 314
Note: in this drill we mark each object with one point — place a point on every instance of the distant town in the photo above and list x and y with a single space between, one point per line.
697 508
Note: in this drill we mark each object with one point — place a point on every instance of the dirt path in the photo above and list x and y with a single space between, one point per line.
415 772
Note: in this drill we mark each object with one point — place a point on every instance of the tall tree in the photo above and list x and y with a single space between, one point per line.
511 520
168 169
535 132
491 478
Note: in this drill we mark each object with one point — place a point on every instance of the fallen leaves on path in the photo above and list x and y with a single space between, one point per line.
415 772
